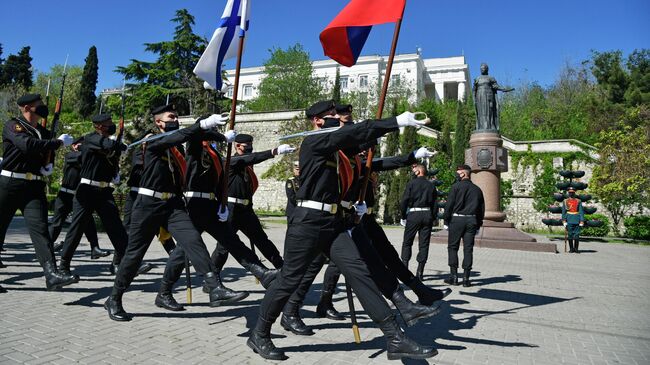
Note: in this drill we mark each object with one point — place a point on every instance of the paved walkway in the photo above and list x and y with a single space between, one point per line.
525 308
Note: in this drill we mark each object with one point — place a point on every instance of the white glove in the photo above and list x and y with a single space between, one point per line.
213 121
113 138
582 224
230 136
407 119
402 222
66 139
116 179
423 152
564 224
360 208
446 227
223 215
350 232
284 149
48 169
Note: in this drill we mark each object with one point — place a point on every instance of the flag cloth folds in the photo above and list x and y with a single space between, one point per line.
345 36
222 46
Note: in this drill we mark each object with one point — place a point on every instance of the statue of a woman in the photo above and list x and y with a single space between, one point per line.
485 101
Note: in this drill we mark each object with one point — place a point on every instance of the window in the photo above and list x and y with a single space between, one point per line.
395 80
230 91
248 90
344 82
363 81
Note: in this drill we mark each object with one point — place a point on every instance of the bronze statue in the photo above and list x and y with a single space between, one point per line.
485 99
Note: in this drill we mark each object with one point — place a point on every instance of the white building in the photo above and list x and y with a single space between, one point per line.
443 78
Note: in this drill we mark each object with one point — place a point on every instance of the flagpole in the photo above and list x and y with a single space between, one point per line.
382 101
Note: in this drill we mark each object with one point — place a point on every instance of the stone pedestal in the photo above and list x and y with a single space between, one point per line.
488 159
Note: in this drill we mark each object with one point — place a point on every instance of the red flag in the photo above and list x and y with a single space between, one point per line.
344 37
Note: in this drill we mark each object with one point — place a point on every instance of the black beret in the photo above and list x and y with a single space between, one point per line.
463 167
78 140
163 109
101 118
28 99
243 138
343 108
320 108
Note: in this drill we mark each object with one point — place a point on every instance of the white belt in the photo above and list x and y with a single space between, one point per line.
346 205
98 184
463 215
198 194
156 194
134 189
330 208
419 209
238 201
69 191
19 175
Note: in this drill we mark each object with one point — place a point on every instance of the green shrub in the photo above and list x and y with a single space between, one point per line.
637 227
596 231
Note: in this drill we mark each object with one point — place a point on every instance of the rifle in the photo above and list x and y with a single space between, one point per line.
353 314
120 133
49 158
47 101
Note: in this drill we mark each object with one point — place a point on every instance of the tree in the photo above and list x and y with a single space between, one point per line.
607 68
289 82
87 98
638 92
336 90
17 70
462 133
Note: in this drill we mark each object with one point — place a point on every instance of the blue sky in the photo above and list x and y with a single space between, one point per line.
521 40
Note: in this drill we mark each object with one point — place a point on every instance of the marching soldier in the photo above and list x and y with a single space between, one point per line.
63 202
160 204
26 145
463 218
317 226
417 208
242 184
573 219
100 153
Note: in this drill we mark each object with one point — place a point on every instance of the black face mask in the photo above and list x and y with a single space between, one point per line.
42 111
458 178
111 129
331 123
347 124
171 126
248 149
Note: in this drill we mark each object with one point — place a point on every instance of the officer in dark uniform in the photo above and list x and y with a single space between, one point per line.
242 184
160 202
100 153
26 147
573 219
463 217
417 207
63 202
204 195
317 226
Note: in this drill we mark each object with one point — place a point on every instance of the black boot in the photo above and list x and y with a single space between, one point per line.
55 279
453 277
292 322
57 247
114 307
96 252
426 295
466 282
577 244
219 294
260 341
165 299
399 346
2 290
264 275
144 268
571 248
325 308
420 271
410 311
64 269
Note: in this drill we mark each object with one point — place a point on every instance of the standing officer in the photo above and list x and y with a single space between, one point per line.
463 217
63 202
26 146
100 153
418 203
242 184
573 219
160 203
317 226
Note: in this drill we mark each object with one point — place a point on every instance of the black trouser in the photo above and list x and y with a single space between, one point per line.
63 207
243 218
465 228
420 223
128 208
89 199
310 233
29 197
148 215
386 250
203 214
